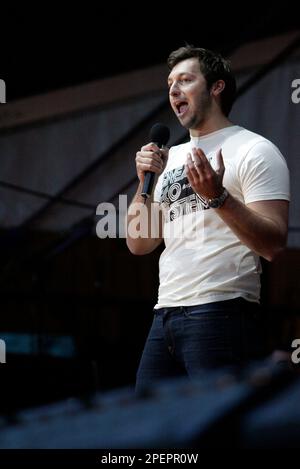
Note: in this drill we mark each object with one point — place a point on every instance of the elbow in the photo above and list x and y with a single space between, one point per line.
136 252
141 247
135 249
275 253
277 247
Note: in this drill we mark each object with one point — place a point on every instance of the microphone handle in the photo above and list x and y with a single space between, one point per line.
149 181
148 184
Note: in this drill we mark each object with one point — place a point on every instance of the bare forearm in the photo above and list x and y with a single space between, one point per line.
260 225
260 233
143 232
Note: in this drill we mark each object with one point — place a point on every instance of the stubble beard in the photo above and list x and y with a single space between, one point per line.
203 107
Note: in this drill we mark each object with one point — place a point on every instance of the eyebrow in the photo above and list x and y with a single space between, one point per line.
180 75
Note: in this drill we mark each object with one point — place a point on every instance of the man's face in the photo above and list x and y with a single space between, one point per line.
188 94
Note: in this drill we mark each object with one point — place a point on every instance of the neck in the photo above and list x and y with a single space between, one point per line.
211 124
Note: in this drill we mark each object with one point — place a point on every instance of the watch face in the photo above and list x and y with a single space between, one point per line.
214 203
218 202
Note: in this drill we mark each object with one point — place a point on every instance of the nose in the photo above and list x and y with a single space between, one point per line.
174 90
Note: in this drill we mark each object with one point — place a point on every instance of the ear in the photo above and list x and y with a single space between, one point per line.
217 88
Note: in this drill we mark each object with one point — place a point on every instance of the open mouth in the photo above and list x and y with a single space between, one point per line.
181 107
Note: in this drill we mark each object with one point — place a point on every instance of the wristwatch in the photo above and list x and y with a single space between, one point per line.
218 201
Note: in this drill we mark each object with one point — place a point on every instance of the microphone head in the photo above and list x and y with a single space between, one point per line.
159 134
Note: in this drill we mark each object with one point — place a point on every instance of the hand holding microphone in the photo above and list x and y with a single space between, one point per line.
152 158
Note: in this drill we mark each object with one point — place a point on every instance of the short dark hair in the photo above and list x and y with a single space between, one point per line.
213 67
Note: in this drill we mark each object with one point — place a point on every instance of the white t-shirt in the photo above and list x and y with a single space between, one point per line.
203 260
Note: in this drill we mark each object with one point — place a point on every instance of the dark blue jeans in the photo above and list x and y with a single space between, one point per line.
190 339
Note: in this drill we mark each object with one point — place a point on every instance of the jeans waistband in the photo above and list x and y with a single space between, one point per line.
232 304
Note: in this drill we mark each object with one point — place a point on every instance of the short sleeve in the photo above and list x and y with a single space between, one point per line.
263 174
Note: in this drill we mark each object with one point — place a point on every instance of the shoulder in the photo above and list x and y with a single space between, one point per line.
245 139
247 145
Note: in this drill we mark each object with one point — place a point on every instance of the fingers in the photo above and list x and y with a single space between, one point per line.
150 147
152 162
153 148
202 177
151 158
200 160
202 164
196 167
190 170
220 163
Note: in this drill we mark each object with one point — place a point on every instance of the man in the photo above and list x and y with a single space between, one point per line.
224 198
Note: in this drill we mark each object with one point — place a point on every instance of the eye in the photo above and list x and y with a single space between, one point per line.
185 80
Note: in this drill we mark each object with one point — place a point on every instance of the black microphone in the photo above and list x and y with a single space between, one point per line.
159 134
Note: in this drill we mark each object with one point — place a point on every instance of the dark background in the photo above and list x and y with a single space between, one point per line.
97 292
49 47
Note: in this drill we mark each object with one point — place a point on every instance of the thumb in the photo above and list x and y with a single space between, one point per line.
220 163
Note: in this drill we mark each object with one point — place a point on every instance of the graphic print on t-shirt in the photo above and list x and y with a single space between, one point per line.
177 195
